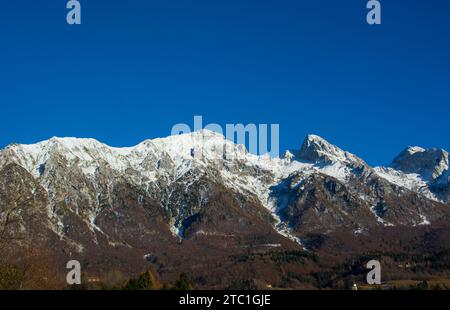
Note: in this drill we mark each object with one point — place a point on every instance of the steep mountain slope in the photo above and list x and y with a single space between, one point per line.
345 192
425 171
82 172
201 194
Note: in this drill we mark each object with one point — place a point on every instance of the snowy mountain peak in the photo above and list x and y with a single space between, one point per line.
318 150
414 149
312 137
173 156
176 152
430 164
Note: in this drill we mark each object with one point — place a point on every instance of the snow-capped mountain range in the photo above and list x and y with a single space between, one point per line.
155 166
200 203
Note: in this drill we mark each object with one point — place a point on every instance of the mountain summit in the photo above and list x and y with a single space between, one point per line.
316 149
430 164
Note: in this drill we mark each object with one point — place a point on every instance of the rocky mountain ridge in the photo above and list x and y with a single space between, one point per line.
200 193
156 165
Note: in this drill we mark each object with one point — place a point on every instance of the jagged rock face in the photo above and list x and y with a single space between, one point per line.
317 150
320 203
441 190
23 207
425 171
398 206
431 164
200 191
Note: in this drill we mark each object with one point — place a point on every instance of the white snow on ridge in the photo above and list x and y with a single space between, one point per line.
415 149
412 181
240 170
200 149
424 219
336 170
330 151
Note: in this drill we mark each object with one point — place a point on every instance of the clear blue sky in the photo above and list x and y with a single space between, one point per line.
135 68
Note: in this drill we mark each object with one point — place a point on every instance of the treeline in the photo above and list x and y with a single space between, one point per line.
299 257
402 265
29 269
35 270
145 281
